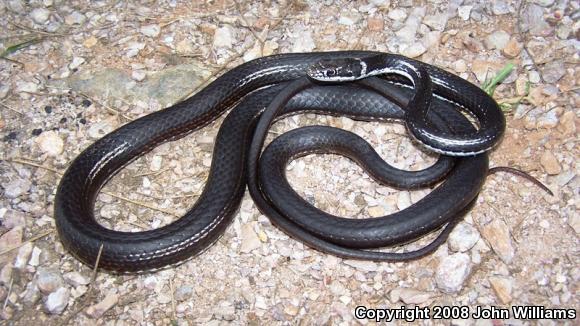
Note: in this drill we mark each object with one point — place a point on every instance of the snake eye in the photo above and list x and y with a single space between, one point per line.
331 73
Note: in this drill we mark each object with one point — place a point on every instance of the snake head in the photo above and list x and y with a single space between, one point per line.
338 70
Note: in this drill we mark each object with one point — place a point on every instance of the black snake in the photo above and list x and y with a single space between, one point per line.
266 89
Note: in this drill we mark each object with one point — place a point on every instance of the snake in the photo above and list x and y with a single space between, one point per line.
437 107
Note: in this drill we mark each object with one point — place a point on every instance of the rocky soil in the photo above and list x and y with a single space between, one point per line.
72 71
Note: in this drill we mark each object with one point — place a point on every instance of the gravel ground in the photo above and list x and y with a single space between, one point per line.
84 69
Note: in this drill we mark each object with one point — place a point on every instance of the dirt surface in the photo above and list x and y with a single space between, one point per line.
72 71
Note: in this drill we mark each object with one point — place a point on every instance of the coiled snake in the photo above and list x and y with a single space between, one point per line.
426 98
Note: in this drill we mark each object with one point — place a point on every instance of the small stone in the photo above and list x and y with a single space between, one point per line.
376 211
500 7
436 22
403 200
223 37
40 15
138 75
250 239
50 143
97 310
76 62
407 33
90 42
4 90
269 47
23 255
497 235
26 87
550 163
291 310
10 239
367 266
75 279
152 30
568 123
502 287
549 120
452 272
16 188
185 46
348 19
553 71
565 29
13 218
6 274
512 49
414 50
484 69
75 18
31 295
459 66
79 291
432 39
156 162
397 14
464 12
133 49
534 77
183 292
414 297
497 40
534 22
16 6
35 257
375 24
57 301
48 281
463 237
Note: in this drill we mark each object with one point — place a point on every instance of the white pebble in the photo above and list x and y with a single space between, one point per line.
57 301
223 37
138 75
250 239
40 15
464 12
50 143
16 188
452 272
463 237
75 279
76 62
48 281
155 164
414 50
75 18
23 255
403 200
397 14
152 30
35 257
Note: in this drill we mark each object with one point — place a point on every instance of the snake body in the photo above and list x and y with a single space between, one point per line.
278 84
